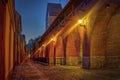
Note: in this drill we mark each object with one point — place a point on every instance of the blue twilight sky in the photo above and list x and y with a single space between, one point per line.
33 13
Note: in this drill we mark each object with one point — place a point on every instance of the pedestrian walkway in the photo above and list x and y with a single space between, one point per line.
27 71
32 70
64 72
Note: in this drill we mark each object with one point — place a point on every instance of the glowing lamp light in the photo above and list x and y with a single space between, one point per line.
80 21
52 39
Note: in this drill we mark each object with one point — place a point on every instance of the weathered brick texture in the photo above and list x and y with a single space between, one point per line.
59 54
113 41
100 36
73 48
51 52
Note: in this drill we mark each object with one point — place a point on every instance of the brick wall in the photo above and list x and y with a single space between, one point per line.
100 35
113 41
59 51
73 48
51 52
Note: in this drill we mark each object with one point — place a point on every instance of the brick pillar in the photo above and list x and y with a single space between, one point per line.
46 50
59 51
51 52
84 47
73 48
64 50
85 44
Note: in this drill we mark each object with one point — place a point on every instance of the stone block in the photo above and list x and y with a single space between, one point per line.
86 62
97 62
112 62
51 61
59 61
72 61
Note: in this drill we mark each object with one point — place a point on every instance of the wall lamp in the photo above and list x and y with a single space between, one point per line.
52 39
81 23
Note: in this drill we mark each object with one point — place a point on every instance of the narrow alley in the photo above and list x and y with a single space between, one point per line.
59 39
28 71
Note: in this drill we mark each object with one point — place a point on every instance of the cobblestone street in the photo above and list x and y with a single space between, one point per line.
35 71
27 71
59 39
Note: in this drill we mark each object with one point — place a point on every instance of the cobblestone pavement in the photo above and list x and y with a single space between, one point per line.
27 71
77 73
35 71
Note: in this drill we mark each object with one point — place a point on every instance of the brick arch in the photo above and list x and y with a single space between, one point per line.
113 41
99 36
59 51
73 48
50 52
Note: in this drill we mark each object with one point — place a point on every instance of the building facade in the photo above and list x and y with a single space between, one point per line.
2 39
7 38
17 37
23 54
9 33
53 9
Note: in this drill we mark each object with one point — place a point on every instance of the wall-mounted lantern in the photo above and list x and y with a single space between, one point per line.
81 23
52 39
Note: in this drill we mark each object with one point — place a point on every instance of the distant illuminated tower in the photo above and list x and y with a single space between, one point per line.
53 9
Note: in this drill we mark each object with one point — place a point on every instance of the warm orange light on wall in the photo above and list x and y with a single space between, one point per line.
53 39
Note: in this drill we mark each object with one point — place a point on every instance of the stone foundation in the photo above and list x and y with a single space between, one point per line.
72 61
80 60
97 62
112 62
59 61
86 62
51 61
